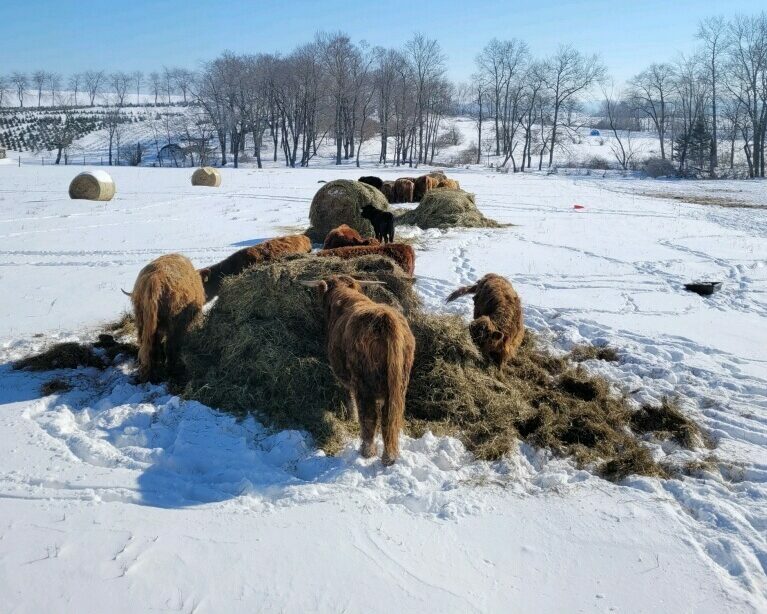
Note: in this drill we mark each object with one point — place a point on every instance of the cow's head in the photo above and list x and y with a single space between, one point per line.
210 283
490 340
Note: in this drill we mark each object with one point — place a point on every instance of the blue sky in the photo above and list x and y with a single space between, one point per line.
73 35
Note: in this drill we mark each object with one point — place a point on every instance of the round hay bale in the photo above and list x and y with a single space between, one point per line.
206 176
447 208
92 185
340 202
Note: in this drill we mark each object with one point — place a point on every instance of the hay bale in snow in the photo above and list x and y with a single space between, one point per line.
340 202
447 208
92 185
262 350
207 176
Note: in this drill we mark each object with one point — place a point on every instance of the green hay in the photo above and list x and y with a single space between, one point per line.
447 208
581 353
262 350
67 355
340 202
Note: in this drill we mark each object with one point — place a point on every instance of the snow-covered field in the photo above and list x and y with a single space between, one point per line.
120 497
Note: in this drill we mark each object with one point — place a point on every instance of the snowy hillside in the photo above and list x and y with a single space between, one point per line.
121 497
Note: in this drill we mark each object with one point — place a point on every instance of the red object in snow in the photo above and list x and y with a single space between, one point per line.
578 207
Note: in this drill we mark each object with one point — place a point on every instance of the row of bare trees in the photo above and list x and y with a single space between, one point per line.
330 87
91 86
706 107
526 103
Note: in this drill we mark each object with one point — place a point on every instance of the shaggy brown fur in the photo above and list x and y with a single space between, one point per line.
402 254
213 276
449 183
345 236
403 190
387 189
371 351
498 327
167 299
423 184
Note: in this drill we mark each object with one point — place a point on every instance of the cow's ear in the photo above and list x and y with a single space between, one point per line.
322 287
205 275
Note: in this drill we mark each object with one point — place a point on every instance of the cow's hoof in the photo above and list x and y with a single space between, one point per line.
388 461
368 450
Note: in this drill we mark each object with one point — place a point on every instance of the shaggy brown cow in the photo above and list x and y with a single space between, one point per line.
423 184
167 299
371 351
345 236
213 276
403 255
498 327
449 183
387 189
403 190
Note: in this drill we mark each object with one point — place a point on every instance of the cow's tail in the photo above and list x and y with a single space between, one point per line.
146 306
463 291
397 376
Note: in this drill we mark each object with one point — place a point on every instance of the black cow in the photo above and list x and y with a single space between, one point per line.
382 221
376 182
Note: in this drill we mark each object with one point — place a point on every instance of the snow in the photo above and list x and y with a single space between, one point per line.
121 496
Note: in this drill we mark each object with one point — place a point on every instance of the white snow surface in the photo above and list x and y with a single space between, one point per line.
120 497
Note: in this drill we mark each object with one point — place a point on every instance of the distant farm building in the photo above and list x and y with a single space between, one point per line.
173 154
595 132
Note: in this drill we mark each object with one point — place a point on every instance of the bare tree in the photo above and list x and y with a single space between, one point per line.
3 89
713 33
39 78
54 83
137 77
19 80
182 79
650 94
119 82
567 74
63 129
622 143
428 65
94 81
75 81
154 82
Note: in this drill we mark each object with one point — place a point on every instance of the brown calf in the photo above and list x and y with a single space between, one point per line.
345 236
273 249
423 184
387 189
167 299
371 350
402 254
498 327
449 183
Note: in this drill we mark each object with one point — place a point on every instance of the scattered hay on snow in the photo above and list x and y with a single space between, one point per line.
586 351
447 208
667 421
92 185
207 176
262 350
68 355
340 202
55 386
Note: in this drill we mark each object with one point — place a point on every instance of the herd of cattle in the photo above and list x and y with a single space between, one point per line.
411 189
370 345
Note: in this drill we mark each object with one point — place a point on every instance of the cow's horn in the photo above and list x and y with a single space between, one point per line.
125 293
310 284
364 283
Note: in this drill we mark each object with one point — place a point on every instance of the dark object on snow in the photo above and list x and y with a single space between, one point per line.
704 288
376 182
382 221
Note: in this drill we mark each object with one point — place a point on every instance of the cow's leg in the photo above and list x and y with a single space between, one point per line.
390 427
175 339
155 370
351 407
368 425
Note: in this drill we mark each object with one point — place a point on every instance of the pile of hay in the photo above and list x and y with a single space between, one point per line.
207 176
262 350
340 202
447 208
92 185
